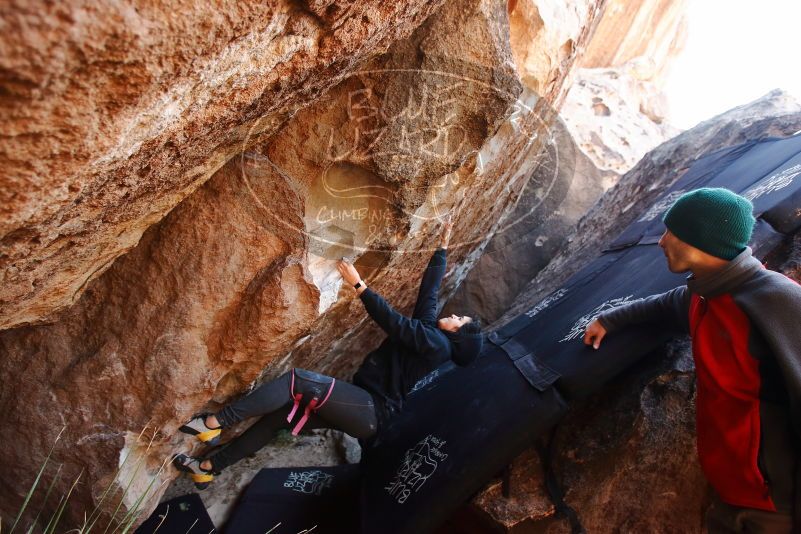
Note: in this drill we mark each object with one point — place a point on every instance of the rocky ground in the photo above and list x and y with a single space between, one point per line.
318 447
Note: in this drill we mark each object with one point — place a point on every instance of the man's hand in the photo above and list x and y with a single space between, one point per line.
445 236
594 333
348 272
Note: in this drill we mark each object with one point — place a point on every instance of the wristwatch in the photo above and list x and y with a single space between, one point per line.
357 285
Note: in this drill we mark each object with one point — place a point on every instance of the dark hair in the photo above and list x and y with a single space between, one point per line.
473 327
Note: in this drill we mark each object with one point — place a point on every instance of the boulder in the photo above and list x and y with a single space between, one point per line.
650 32
178 244
114 114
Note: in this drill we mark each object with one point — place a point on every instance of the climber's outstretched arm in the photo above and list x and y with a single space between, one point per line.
410 332
425 308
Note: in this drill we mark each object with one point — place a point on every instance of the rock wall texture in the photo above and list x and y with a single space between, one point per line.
560 190
117 112
652 32
179 180
615 109
546 35
627 456
616 117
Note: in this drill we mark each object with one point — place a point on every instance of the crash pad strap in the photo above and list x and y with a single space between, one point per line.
545 449
539 375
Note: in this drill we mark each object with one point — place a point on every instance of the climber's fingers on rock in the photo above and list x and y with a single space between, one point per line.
343 266
348 271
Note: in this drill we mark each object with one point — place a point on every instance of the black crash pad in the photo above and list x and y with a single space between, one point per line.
454 434
462 427
293 500
767 171
178 516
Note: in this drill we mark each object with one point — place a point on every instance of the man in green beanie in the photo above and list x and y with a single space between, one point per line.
746 341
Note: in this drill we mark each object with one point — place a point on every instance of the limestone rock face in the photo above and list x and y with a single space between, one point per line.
615 109
563 185
652 32
171 247
627 456
545 36
616 117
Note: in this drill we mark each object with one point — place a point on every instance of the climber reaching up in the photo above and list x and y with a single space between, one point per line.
301 399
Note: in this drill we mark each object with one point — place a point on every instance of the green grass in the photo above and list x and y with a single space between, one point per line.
119 522
92 522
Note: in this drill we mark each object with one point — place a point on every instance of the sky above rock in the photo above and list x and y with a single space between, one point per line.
736 51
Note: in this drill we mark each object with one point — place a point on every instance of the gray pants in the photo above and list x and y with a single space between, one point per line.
722 518
348 408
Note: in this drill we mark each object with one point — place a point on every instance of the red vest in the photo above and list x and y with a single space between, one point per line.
727 406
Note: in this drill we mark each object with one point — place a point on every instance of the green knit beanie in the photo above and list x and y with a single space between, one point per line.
715 220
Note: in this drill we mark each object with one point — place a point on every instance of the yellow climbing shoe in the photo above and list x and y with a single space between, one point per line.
191 465
197 427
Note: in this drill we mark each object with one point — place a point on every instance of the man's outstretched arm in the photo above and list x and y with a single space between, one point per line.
671 307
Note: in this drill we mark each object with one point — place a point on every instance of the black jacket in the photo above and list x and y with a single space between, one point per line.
414 346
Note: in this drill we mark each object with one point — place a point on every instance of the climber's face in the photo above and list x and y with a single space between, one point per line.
680 256
453 322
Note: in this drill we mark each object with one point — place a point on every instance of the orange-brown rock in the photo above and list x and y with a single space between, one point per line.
254 146
650 32
116 113
546 37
